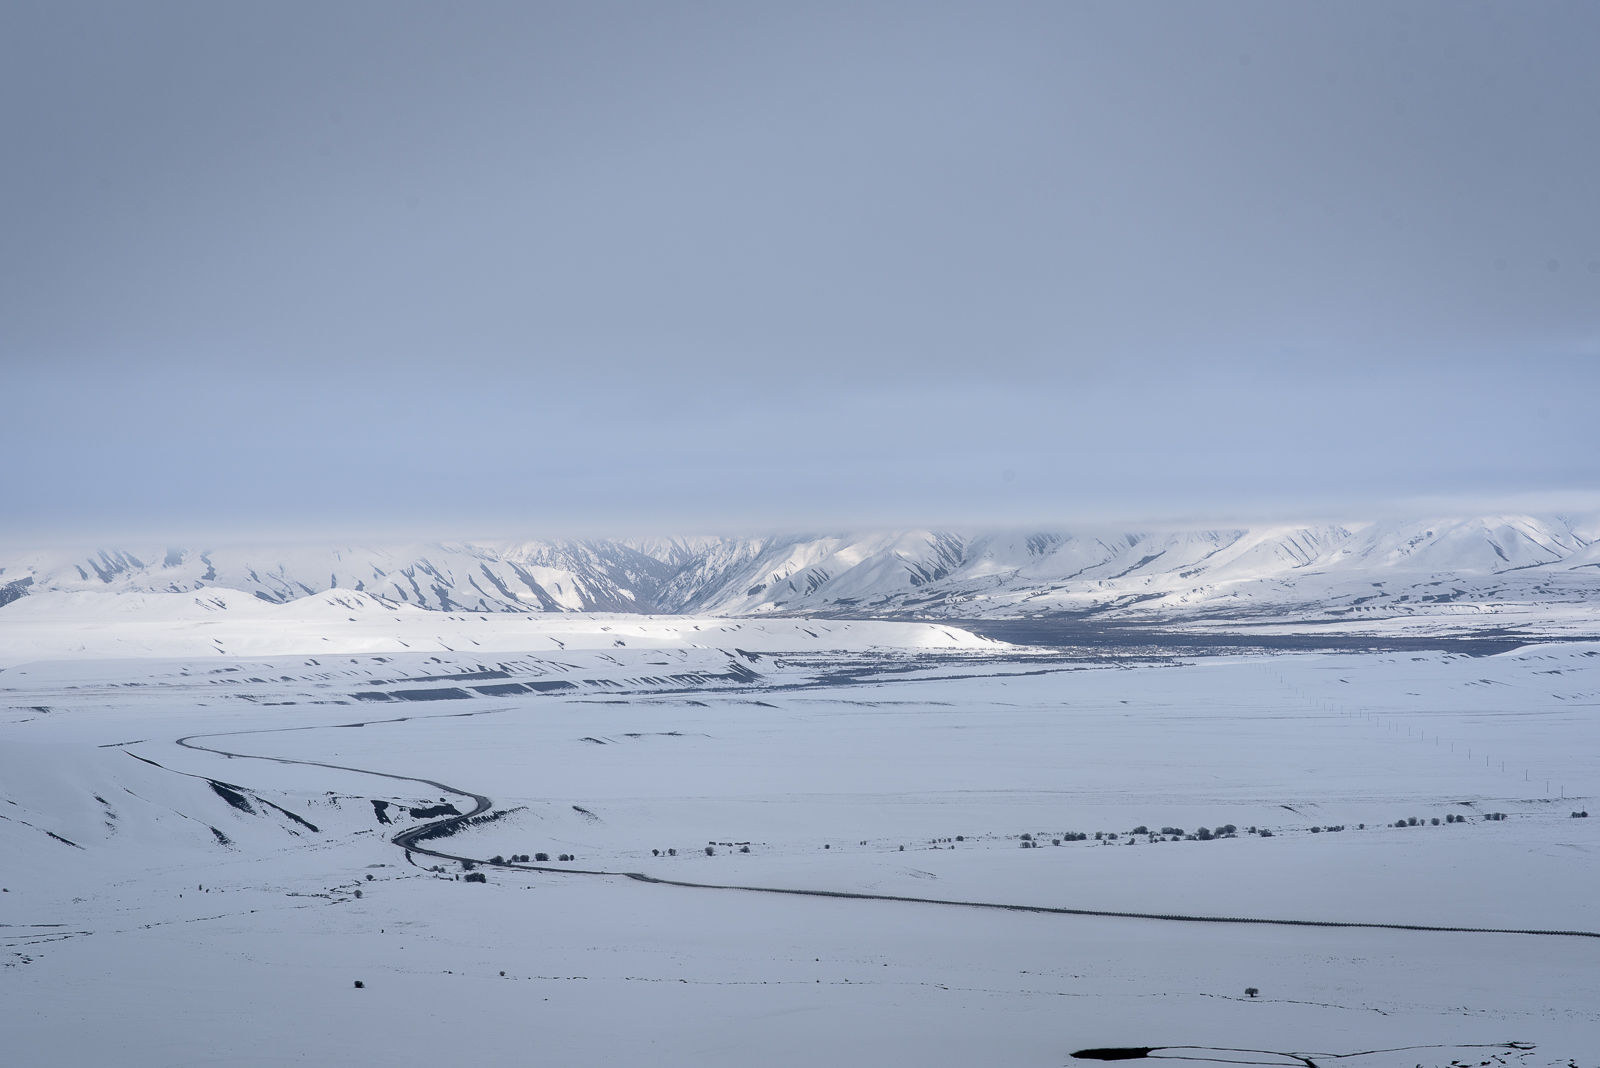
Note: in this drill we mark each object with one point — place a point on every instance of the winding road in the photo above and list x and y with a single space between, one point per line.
408 839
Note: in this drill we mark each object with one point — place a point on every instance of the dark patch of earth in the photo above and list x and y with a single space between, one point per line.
1083 634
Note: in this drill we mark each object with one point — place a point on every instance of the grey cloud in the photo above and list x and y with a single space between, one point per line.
494 265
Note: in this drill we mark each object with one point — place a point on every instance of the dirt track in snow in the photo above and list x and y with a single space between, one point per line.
407 840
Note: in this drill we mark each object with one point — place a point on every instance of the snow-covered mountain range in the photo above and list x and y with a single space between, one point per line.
1446 567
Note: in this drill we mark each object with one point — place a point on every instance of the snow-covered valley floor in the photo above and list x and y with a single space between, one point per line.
169 905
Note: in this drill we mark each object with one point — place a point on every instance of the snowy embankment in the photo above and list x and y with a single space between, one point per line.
96 626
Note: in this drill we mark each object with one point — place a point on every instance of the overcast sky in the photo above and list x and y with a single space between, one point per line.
497 269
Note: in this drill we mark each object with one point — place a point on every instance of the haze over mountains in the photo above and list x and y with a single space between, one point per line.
1467 570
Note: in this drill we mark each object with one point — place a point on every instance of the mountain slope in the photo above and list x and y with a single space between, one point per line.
1448 567
534 576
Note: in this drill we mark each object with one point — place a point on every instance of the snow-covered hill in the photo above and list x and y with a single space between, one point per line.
101 626
1444 568
532 576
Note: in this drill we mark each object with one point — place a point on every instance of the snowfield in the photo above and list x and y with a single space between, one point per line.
228 622
199 810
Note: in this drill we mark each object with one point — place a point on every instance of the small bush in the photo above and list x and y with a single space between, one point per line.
1581 815
672 852
1316 830
1141 829
710 852
744 849
1436 821
1264 833
1205 835
497 859
1055 841
476 877
1412 822
961 838
360 985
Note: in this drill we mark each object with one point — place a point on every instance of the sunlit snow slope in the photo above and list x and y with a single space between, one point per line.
77 626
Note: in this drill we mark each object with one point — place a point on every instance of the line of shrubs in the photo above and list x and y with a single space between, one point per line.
446 829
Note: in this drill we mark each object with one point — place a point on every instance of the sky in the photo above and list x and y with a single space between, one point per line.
489 270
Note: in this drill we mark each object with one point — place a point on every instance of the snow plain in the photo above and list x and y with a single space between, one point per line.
154 918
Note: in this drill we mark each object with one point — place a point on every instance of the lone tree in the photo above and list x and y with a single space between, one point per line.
1250 991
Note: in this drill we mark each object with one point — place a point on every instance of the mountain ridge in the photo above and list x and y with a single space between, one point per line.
1442 566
